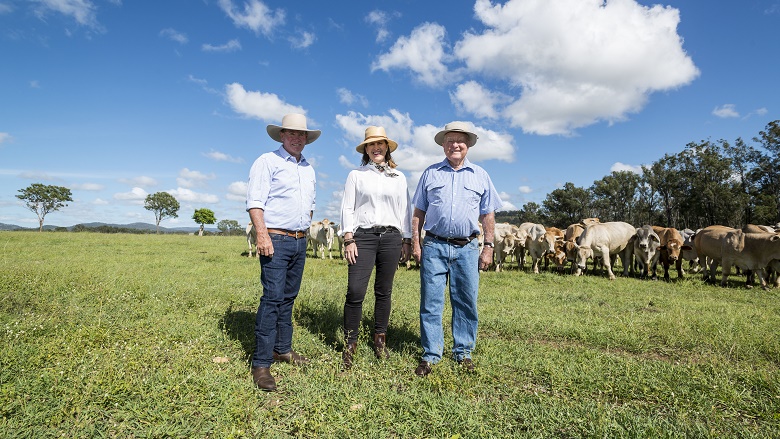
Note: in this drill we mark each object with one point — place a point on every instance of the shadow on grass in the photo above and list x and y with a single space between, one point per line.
326 318
323 318
240 325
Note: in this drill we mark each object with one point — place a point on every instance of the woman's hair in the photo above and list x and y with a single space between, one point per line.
388 158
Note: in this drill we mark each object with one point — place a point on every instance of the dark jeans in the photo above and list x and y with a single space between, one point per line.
280 276
374 250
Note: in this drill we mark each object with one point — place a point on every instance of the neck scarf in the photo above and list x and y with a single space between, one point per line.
384 167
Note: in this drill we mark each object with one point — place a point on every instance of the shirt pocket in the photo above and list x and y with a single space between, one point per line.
472 195
437 194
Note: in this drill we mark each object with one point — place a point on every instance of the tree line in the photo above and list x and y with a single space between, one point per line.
731 184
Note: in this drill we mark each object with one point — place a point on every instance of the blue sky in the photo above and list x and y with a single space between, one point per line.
119 99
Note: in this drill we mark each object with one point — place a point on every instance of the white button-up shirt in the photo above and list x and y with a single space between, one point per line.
373 198
284 188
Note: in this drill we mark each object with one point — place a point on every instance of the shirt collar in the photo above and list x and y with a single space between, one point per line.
446 164
288 157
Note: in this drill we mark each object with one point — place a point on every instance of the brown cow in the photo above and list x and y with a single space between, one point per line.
557 235
709 246
749 251
569 245
671 245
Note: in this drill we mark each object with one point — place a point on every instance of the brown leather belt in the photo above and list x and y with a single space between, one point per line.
460 242
297 234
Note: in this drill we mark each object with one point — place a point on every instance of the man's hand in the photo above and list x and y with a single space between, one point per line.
486 257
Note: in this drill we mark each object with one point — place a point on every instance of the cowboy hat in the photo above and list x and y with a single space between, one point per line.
460 127
293 121
374 134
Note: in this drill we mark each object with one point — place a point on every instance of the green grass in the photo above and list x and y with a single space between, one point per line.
116 336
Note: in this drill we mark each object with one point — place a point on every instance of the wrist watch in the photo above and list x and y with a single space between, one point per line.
489 244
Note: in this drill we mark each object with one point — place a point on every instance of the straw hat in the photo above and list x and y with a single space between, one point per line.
293 121
460 127
372 135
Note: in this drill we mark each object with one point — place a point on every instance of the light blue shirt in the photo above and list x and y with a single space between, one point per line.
284 188
454 200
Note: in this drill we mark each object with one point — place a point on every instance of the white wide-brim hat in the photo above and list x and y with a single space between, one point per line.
460 127
372 135
293 121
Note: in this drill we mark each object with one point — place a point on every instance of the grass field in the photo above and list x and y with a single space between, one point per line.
149 336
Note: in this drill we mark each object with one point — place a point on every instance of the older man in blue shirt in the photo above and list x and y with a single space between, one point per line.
280 201
452 196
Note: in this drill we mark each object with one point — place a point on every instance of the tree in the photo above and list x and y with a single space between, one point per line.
229 227
203 217
42 199
615 196
163 204
567 205
767 172
663 178
530 213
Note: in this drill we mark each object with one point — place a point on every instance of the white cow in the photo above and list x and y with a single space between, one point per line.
644 246
504 239
251 239
689 251
605 240
321 237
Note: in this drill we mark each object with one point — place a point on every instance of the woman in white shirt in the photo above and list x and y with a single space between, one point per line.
376 221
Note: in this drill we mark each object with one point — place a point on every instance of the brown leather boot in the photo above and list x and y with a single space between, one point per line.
349 352
263 379
380 346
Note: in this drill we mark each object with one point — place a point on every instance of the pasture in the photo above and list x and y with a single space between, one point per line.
149 335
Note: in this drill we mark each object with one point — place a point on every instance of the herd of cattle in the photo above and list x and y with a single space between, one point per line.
753 249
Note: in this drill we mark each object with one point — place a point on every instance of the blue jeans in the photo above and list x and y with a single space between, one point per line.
442 261
280 276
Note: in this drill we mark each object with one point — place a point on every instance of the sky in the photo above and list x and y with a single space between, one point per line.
118 99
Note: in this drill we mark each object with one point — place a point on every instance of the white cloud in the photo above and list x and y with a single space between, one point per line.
378 21
255 16
725 111
5 8
348 98
525 189
187 195
87 187
259 105
237 191
636 169
135 196
423 52
761 111
506 206
473 98
303 40
222 157
190 179
174 35
346 163
230 46
35 84
100 202
576 62
141 181
83 11
416 147
5 137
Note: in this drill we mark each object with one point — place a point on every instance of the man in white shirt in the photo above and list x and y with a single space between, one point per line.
280 202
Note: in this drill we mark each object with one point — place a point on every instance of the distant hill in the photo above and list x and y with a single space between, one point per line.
136 226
